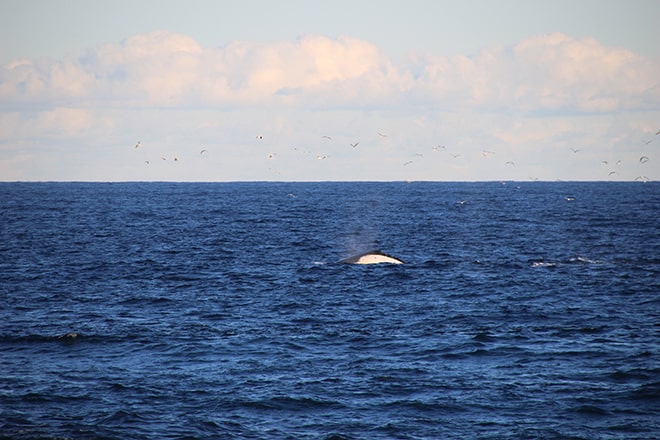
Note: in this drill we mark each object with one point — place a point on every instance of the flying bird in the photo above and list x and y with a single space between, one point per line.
203 151
574 150
486 153
613 172
643 159
138 144
326 137
647 141
355 144
382 135
407 163
510 163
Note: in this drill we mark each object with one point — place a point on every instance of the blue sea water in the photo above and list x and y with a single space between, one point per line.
187 310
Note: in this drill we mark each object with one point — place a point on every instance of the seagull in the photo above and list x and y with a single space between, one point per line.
176 159
642 178
657 132
271 155
419 155
407 163
646 142
138 144
259 137
613 172
326 137
486 153
643 159
147 162
438 147
455 155
203 151
382 135
574 150
355 144
510 163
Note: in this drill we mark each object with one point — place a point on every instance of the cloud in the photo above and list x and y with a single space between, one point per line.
547 73
583 74
43 83
544 73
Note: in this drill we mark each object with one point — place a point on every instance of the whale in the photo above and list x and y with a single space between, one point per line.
372 257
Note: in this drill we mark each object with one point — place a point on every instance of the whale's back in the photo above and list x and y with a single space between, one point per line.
372 257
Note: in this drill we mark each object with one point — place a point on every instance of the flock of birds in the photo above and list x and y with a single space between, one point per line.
484 153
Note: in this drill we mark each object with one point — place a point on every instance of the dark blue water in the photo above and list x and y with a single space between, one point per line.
157 310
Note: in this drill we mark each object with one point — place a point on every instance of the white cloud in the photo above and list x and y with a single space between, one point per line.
545 73
162 69
583 75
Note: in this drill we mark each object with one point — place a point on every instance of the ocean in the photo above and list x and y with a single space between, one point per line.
524 310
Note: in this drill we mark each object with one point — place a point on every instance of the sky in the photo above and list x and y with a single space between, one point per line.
439 90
